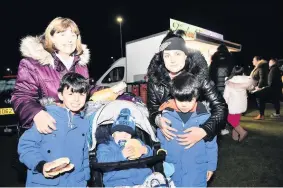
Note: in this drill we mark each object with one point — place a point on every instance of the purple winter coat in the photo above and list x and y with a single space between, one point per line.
39 75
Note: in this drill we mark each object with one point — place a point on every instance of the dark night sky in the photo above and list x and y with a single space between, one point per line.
257 26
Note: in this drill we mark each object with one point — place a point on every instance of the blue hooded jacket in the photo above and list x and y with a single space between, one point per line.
191 165
69 140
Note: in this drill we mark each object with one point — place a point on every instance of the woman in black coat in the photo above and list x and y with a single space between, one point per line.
220 67
275 86
172 59
259 74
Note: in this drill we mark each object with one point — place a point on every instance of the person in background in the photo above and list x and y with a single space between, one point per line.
220 68
235 95
260 75
275 86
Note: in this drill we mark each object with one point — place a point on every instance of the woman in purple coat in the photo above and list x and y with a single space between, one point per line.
46 59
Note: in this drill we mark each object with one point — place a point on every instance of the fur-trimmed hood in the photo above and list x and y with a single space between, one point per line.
33 48
261 63
195 64
241 82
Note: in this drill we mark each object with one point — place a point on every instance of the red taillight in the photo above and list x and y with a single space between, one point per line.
10 76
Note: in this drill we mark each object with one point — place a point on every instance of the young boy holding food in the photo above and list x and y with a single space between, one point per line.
61 158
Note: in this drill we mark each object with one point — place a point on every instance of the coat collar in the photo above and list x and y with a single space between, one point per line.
58 64
261 63
273 66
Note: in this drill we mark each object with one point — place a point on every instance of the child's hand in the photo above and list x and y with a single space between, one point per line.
56 167
128 152
209 175
45 167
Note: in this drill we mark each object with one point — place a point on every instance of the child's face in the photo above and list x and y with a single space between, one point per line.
121 136
186 106
72 101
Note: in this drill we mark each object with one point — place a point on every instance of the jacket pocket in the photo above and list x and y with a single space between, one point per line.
39 179
200 159
201 164
80 177
77 180
199 177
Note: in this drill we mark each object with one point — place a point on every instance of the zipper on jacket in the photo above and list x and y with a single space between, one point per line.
70 118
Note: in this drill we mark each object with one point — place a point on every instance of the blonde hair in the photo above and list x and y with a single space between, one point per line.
58 25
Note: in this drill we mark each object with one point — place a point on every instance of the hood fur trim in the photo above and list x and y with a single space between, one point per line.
261 63
33 48
241 82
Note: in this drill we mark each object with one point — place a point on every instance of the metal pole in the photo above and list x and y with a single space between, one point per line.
121 39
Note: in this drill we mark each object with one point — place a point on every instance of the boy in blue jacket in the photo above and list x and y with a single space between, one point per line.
193 166
115 149
39 151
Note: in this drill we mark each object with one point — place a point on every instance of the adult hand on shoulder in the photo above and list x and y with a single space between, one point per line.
44 122
191 137
166 129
